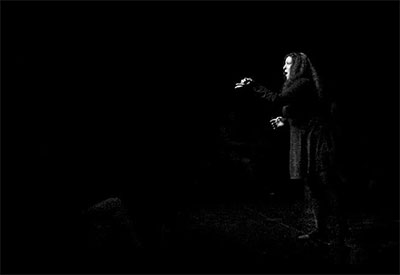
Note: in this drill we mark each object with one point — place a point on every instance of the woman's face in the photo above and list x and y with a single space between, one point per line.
287 66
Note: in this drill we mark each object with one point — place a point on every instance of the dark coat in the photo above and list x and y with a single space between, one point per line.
312 145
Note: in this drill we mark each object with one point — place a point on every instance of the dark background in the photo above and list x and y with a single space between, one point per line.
111 98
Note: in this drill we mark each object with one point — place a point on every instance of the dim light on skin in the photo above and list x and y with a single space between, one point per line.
287 66
277 122
245 81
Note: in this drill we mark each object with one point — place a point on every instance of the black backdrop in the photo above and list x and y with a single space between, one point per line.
103 98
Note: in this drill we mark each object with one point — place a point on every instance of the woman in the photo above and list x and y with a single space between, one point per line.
312 149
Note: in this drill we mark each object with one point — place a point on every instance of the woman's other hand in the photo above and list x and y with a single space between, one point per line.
277 122
245 81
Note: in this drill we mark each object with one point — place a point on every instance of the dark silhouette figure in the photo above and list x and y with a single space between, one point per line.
312 154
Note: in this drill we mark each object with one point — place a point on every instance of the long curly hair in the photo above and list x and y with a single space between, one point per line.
303 68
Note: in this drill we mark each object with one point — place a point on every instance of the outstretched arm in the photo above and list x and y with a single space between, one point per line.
250 85
288 95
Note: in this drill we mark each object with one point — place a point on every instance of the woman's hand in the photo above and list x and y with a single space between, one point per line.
277 122
245 81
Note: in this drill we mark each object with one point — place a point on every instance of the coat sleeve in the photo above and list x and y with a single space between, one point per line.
287 96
